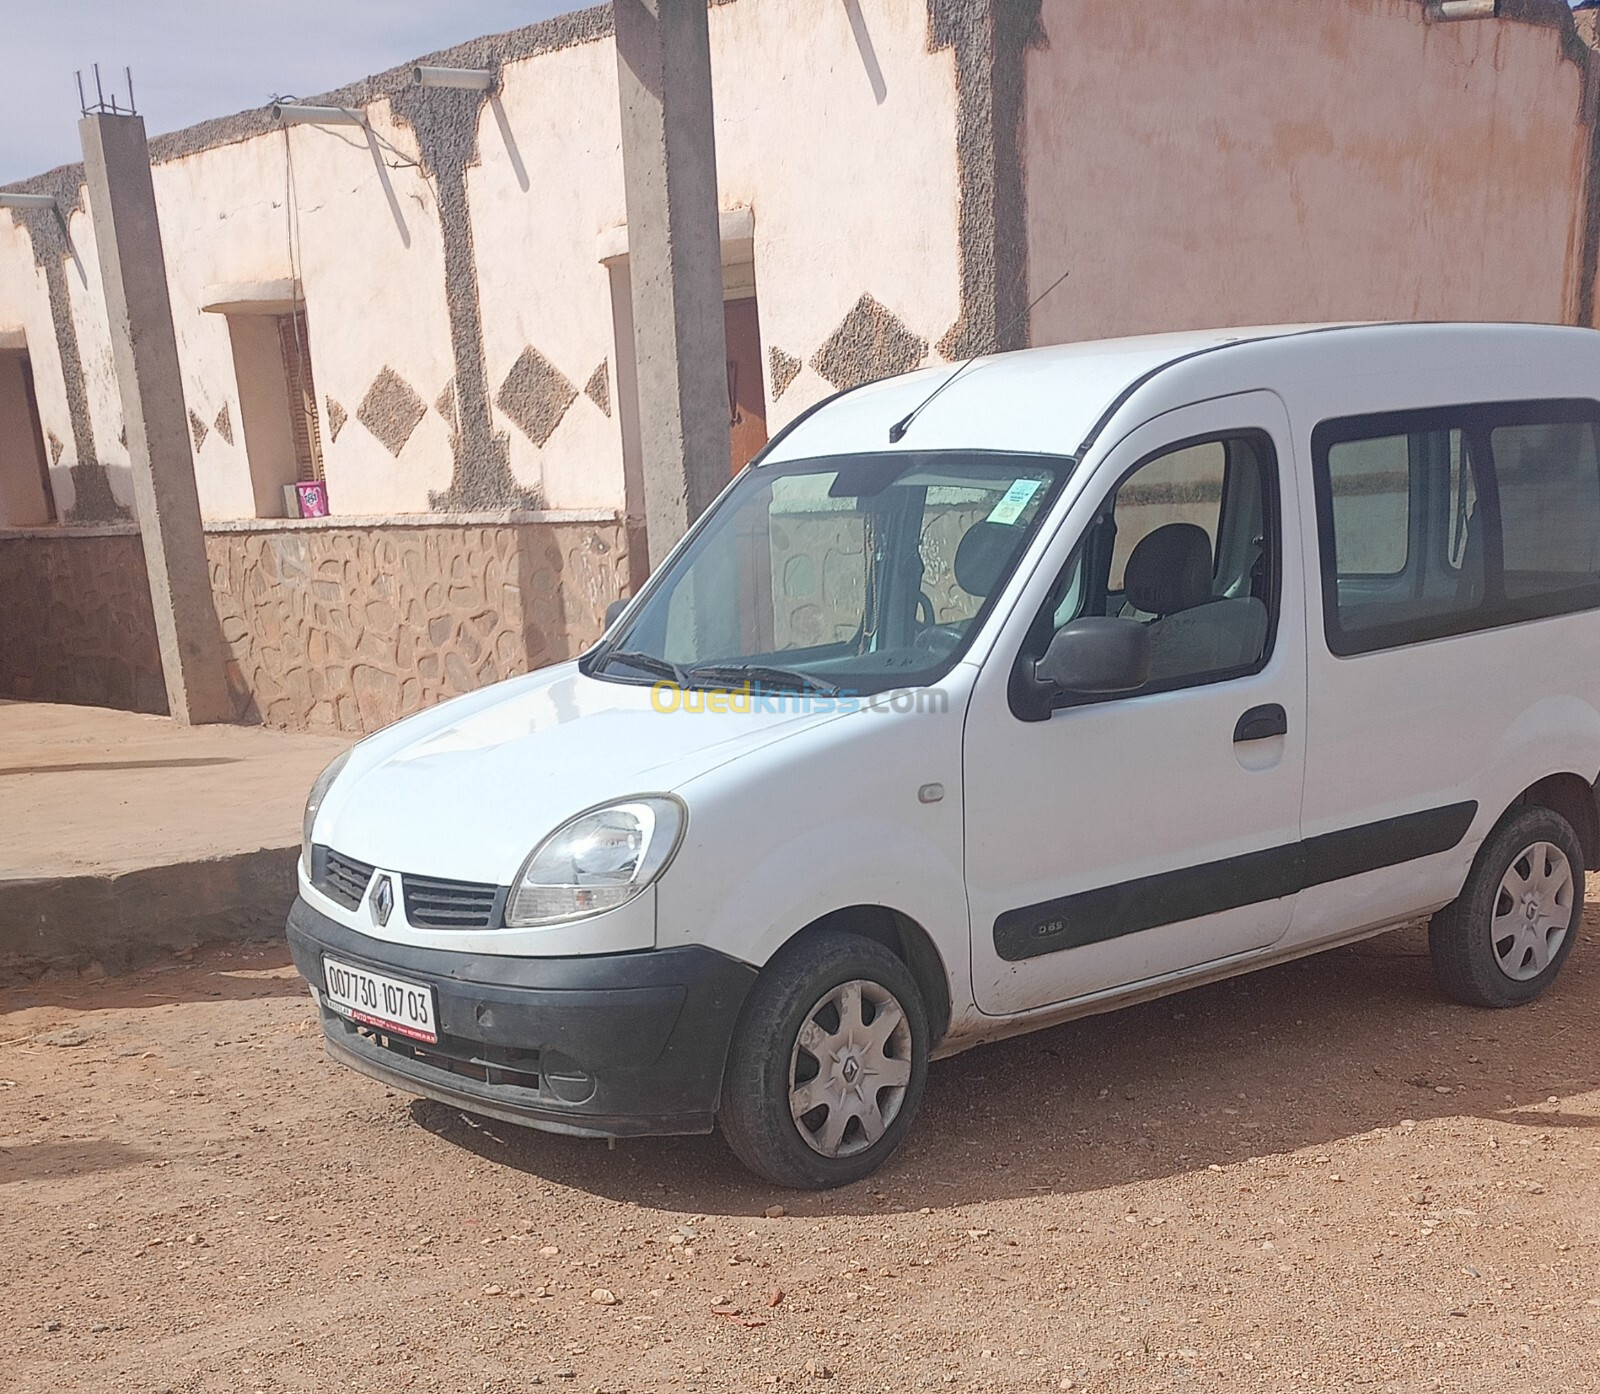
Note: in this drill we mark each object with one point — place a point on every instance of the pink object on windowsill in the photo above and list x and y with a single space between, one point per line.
313 496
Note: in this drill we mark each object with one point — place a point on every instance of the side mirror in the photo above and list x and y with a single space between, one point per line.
615 608
1095 656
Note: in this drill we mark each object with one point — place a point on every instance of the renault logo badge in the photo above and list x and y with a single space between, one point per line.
383 901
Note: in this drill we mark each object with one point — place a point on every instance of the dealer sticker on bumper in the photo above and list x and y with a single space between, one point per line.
375 999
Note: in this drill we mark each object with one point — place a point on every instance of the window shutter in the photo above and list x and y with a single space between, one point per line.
302 394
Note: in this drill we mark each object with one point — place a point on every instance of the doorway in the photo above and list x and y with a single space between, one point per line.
26 498
278 406
747 400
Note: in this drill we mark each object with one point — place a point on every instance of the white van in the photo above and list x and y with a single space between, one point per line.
989 698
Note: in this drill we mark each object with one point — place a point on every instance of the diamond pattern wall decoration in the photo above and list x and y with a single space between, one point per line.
391 410
535 395
598 388
198 430
782 368
870 343
445 405
224 424
337 416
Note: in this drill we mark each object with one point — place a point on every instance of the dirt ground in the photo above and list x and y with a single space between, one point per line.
92 791
1318 1177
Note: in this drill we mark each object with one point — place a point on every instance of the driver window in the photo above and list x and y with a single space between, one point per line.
1182 487
1187 545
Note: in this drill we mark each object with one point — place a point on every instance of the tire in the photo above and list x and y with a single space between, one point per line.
1502 941
826 991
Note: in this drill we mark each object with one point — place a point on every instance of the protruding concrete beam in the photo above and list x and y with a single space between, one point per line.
669 165
144 348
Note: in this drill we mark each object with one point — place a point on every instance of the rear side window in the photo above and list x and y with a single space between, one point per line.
1369 482
1549 506
1445 521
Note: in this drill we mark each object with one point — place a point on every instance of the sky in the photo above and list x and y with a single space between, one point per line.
194 59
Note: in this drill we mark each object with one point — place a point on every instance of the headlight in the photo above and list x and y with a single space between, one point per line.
319 791
595 862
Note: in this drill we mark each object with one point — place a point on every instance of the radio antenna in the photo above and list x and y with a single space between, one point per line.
897 432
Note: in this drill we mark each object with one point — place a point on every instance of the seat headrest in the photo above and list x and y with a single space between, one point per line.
1169 570
982 555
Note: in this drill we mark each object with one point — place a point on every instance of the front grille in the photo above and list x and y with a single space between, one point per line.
342 879
492 1065
435 904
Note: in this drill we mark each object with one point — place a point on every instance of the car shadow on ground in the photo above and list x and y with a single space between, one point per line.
1289 1058
32 1161
238 972
90 766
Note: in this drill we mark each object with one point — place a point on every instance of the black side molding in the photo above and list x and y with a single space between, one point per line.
1170 897
1372 846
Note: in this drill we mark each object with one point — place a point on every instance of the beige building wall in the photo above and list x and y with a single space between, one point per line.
1193 163
835 132
356 222
1199 163
836 126
27 305
841 149
245 241
548 179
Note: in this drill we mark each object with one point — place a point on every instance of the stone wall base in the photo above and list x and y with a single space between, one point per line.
333 627
75 621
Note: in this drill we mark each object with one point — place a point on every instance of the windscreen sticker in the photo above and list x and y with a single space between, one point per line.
1015 499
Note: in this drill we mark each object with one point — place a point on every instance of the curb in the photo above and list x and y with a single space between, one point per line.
123 921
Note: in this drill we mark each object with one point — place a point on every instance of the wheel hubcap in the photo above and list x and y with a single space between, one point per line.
1532 911
849 1069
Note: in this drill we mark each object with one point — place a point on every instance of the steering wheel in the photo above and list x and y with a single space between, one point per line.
925 615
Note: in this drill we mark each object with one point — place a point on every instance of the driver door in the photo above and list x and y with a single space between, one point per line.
1124 838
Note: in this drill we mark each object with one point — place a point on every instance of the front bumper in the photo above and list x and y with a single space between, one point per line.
614 1045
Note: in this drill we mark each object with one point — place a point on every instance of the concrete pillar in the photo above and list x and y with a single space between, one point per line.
669 165
122 203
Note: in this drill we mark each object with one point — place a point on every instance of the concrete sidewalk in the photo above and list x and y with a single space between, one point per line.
122 834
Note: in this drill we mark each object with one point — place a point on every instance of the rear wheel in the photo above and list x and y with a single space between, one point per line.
1503 940
827 1064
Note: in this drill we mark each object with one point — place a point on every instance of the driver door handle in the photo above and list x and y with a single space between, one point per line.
1261 723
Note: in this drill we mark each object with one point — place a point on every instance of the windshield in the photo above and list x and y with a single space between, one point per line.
853 574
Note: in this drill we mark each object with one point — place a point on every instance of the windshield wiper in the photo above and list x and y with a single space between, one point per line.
763 673
646 663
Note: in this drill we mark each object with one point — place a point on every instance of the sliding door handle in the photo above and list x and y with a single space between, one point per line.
1261 723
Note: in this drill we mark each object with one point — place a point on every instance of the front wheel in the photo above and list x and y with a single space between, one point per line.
1502 941
827 1064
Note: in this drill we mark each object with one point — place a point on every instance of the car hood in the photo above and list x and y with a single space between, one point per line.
465 790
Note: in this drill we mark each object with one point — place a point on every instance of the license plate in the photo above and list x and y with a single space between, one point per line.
375 999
